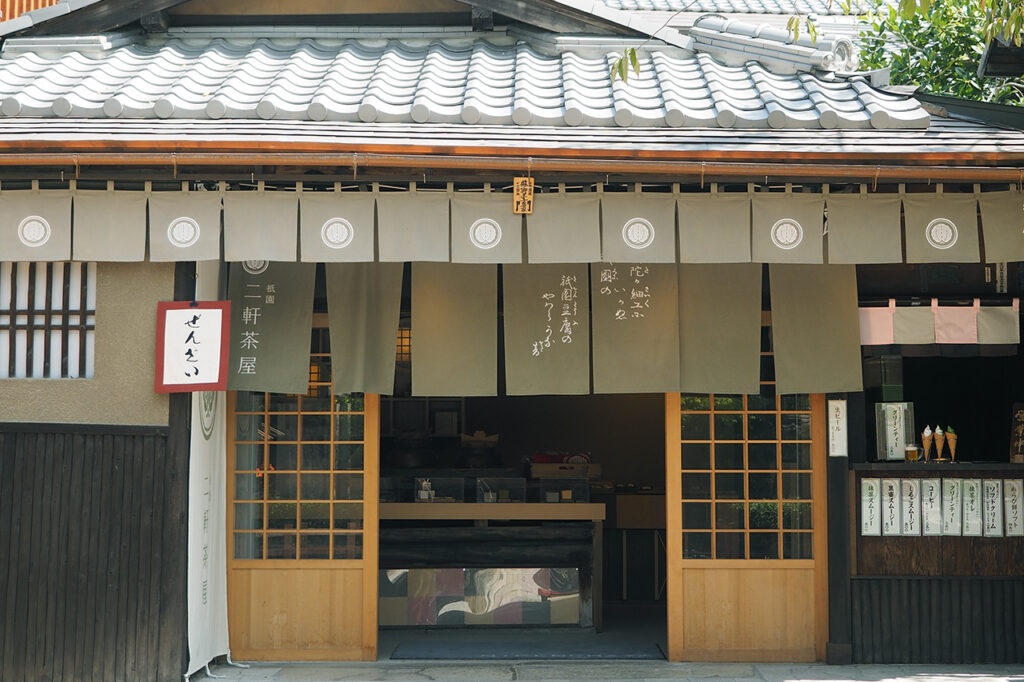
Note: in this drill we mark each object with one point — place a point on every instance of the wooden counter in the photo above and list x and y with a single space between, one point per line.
491 511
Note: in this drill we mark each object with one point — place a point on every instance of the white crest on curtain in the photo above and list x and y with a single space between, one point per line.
638 233
337 233
941 233
787 233
183 232
34 231
485 233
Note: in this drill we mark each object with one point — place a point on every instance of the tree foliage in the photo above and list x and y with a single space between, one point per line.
937 45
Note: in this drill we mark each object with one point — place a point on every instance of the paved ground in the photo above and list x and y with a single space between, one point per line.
538 671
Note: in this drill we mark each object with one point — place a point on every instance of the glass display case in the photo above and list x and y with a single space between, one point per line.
501 490
439 489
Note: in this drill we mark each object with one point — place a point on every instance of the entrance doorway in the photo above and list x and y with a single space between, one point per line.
302 521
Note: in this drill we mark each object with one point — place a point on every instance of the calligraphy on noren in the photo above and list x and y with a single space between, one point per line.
630 290
560 308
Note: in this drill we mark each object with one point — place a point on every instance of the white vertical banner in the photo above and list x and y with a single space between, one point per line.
837 439
207 490
931 506
911 508
870 507
891 507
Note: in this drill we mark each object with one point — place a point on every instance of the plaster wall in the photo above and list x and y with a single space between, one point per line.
122 390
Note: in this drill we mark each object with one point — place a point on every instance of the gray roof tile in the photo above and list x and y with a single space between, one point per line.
478 82
741 6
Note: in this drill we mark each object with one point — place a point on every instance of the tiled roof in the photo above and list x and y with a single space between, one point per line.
743 6
965 139
436 81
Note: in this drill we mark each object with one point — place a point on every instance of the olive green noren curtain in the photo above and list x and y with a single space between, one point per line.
271 324
336 227
261 226
184 226
109 226
787 227
638 228
720 327
454 329
815 328
941 228
564 228
547 329
412 226
714 228
1002 223
364 302
864 228
484 229
635 327
35 226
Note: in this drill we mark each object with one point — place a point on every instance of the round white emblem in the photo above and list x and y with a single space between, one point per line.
34 231
183 232
638 233
337 233
941 233
485 233
255 267
787 234
207 412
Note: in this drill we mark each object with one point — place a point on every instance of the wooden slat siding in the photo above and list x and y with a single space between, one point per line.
65 320
12 306
76 527
13 8
938 620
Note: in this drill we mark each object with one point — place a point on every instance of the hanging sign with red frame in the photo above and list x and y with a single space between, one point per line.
192 346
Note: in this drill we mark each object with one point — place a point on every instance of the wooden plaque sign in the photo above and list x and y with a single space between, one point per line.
522 196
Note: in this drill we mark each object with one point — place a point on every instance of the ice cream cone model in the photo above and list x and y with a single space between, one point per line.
951 439
926 440
940 442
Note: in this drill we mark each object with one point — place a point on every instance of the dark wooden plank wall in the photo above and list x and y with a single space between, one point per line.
93 546
938 620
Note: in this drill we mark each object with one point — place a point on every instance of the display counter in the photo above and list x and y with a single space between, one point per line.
491 563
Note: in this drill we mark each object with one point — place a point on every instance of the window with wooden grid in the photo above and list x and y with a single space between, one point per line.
298 469
47 320
746 472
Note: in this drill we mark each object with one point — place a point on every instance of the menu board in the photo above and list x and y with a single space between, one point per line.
911 507
870 507
891 524
931 506
992 507
972 507
952 506
1013 495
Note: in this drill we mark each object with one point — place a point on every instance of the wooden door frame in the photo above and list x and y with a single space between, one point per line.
370 534
674 539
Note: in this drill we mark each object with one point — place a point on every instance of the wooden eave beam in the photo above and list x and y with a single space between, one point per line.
962 168
100 17
551 16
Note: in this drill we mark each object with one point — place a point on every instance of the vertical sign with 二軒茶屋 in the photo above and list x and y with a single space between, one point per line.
992 507
272 319
931 506
972 507
911 507
192 346
1013 496
837 441
870 507
891 507
522 196
952 506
